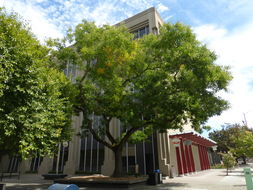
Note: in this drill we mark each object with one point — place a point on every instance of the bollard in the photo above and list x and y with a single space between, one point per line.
248 178
58 186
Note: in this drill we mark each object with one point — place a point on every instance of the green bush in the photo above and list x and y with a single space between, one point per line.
218 166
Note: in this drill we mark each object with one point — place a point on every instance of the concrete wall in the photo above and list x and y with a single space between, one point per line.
72 165
163 147
46 165
148 17
4 163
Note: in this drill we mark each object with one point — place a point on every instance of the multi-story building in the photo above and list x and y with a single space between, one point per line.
173 152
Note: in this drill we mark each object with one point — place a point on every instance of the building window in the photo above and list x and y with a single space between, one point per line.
71 71
141 32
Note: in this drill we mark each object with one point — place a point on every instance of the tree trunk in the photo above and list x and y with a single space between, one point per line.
118 162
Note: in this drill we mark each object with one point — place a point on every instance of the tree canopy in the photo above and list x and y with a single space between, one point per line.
35 107
227 136
158 82
243 145
234 138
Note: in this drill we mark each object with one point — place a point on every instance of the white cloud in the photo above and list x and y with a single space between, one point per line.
1 3
161 8
234 49
36 18
52 18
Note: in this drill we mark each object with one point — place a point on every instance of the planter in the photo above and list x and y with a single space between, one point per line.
2 186
54 176
100 183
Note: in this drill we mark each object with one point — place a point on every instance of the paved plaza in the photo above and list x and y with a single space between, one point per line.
214 179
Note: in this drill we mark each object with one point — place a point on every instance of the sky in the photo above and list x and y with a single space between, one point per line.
225 26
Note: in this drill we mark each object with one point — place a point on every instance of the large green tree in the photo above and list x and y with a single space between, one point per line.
227 135
234 138
154 83
35 108
243 145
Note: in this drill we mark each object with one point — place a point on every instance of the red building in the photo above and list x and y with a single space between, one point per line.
191 152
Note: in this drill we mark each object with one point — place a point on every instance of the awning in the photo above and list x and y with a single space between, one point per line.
195 138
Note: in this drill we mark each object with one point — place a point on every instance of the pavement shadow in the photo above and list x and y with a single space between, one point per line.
172 184
230 175
23 186
28 187
239 185
234 171
164 186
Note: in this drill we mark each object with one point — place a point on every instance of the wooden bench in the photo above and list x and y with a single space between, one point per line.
9 174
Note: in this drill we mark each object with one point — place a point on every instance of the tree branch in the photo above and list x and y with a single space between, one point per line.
136 76
85 73
134 129
95 135
128 135
107 130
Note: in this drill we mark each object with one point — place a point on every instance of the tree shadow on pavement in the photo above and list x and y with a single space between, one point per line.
137 187
171 184
230 175
28 187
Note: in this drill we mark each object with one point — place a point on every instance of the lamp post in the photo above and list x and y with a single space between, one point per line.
244 117
245 120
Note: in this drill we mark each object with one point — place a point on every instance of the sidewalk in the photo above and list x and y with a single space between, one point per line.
214 179
27 182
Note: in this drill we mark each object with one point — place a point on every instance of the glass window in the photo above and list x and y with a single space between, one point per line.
141 32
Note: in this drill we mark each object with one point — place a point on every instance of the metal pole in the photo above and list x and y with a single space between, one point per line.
144 157
135 155
127 157
11 163
38 163
85 149
91 146
58 158
62 159
244 116
144 153
15 164
97 154
153 151
34 163
91 151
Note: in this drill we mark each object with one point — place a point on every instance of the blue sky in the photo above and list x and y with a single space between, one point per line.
226 26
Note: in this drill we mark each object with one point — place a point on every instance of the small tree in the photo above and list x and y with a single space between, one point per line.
228 161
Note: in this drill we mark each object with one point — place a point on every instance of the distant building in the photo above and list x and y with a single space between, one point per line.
174 152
